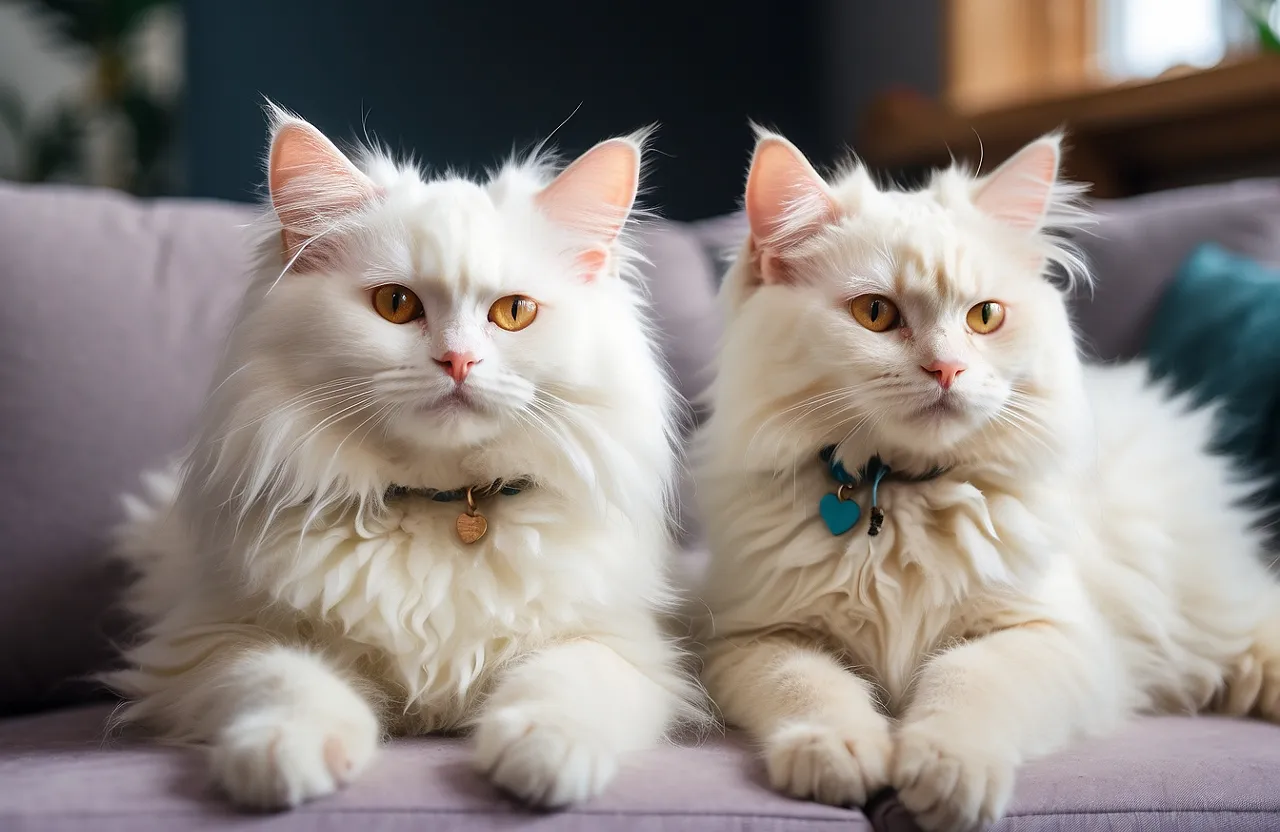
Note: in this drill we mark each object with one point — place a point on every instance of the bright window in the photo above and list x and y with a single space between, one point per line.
1143 38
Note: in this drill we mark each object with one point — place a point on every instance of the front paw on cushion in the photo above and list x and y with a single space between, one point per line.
821 762
278 760
950 784
539 761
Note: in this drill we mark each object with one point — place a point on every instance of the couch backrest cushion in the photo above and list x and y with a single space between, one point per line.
113 316
1139 244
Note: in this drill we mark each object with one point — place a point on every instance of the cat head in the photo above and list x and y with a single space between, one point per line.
438 331
918 325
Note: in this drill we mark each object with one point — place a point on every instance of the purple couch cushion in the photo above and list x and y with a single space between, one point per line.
114 314
1139 244
682 283
56 774
112 318
1169 773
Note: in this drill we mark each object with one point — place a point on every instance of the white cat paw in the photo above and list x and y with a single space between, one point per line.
541 760
829 764
1253 685
949 784
274 761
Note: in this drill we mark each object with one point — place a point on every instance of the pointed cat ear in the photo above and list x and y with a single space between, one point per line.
593 197
1019 192
313 186
787 202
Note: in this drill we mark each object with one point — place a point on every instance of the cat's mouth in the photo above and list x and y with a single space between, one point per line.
945 406
458 400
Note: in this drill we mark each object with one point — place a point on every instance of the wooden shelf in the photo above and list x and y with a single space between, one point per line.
1199 126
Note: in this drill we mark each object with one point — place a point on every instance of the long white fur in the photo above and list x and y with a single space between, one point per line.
292 617
1084 558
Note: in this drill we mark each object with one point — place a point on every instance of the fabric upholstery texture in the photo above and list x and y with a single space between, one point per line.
57 775
113 317
1173 774
1138 245
1169 773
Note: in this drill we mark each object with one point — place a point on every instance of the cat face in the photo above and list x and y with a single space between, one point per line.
435 332
443 313
913 321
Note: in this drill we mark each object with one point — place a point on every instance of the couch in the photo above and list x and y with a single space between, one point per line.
110 321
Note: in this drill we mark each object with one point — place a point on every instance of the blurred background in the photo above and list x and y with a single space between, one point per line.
164 96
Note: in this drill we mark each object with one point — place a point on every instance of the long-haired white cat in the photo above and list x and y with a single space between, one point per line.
941 546
430 489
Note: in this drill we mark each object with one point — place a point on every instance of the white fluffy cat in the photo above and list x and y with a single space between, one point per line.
427 334
1058 550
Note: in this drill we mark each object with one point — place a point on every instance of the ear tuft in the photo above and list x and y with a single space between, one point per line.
1020 192
594 195
787 202
313 186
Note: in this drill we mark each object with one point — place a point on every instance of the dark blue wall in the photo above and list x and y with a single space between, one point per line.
462 83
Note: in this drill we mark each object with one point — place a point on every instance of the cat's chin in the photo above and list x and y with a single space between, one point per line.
941 423
451 422
944 409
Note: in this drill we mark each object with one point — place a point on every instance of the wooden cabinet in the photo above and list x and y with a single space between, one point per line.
1199 126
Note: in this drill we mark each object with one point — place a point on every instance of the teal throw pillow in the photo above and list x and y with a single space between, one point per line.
1216 333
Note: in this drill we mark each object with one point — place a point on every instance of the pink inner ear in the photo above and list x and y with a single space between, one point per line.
787 202
592 262
594 195
313 185
1019 191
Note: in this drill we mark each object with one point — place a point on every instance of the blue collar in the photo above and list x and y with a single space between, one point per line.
839 510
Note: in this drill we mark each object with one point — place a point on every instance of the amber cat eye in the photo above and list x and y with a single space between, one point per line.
514 312
875 312
985 317
397 304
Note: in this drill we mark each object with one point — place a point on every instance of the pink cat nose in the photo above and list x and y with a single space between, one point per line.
946 372
457 364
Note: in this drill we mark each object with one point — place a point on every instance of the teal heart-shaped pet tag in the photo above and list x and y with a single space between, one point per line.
839 515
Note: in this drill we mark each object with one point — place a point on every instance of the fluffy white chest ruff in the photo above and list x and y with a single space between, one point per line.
887 602
438 615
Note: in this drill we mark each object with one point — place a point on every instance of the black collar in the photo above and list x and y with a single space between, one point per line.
508 488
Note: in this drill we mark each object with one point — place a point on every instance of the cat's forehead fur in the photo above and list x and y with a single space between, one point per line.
456 232
930 243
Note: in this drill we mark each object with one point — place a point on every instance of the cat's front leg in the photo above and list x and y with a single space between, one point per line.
980 709
282 725
823 736
558 723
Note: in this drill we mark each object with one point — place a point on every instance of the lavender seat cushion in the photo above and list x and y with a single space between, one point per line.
1172 774
55 774
1159 774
